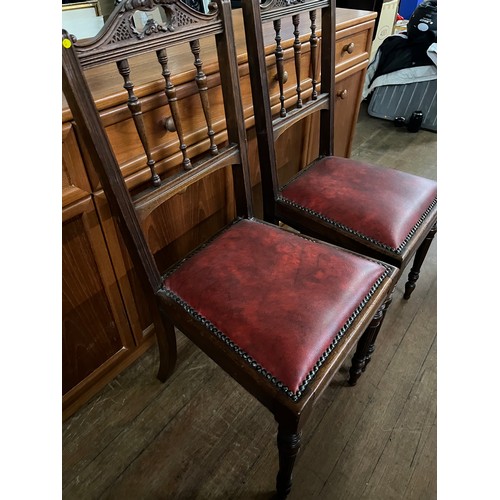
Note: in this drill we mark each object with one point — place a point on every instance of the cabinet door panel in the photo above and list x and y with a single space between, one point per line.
348 91
95 328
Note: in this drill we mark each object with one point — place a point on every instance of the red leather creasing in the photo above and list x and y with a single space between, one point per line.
279 297
380 203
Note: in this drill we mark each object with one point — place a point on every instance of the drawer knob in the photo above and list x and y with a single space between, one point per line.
349 48
285 76
342 93
169 124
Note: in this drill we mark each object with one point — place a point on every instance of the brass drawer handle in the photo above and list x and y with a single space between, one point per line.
169 124
285 76
348 48
342 93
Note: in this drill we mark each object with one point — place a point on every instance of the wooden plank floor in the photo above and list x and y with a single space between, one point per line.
201 436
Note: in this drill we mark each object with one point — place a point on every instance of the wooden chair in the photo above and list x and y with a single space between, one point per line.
380 212
279 312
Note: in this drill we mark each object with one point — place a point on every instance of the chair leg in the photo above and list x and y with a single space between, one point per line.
288 447
371 347
358 360
167 346
366 344
417 263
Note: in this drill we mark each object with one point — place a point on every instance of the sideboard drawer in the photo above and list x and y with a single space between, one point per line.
351 47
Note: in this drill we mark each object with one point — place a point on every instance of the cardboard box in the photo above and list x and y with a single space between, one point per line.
386 22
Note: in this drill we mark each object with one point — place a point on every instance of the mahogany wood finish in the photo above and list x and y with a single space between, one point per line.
277 311
187 219
362 207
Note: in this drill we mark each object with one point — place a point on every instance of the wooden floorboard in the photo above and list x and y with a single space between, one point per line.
200 436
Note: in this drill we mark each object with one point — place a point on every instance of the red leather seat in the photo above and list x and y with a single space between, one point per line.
230 283
381 205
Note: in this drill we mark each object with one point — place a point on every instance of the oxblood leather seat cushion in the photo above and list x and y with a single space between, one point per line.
380 204
282 300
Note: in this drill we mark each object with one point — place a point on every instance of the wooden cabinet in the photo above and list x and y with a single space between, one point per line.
106 322
352 52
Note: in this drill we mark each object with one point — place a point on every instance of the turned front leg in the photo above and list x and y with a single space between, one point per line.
366 344
371 347
288 447
167 346
417 263
358 360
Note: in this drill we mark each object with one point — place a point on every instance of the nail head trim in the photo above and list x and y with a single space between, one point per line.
356 233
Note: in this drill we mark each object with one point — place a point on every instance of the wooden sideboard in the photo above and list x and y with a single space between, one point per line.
106 323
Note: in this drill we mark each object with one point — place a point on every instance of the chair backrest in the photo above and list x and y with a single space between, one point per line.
306 91
152 29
